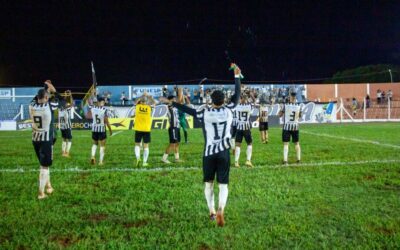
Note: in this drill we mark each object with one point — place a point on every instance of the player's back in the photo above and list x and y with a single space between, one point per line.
263 112
98 114
143 119
291 116
216 127
42 115
64 118
243 112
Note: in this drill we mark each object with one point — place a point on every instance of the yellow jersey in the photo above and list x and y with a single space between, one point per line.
143 119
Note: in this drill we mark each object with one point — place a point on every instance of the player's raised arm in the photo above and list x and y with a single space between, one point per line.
180 107
236 96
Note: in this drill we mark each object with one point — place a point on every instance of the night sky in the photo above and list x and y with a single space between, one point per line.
150 42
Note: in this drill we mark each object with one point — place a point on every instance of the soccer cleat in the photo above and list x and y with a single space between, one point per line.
298 162
42 196
249 164
93 161
213 217
145 164
285 163
67 155
101 163
237 165
137 162
166 161
220 218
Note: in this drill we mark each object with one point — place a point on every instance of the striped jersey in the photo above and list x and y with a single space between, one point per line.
173 117
216 128
263 113
42 120
64 118
243 112
98 114
291 115
234 118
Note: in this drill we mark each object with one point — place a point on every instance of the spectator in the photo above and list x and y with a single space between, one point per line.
390 95
368 101
383 97
378 96
165 91
354 105
303 94
123 99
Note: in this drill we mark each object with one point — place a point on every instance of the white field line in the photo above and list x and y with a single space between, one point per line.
119 132
352 139
104 170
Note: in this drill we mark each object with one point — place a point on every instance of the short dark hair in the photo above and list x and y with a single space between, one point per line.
218 97
170 97
41 93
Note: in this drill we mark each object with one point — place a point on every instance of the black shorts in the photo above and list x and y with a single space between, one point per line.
139 135
99 136
244 133
44 152
66 134
233 131
219 164
174 135
263 126
286 134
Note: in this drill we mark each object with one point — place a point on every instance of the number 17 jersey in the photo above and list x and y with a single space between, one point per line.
217 123
291 116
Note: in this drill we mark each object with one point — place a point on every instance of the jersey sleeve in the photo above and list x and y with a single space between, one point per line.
235 97
53 105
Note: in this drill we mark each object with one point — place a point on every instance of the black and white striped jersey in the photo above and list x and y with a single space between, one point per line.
173 117
64 118
98 114
216 128
263 113
243 116
234 118
216 122
42 120
291 115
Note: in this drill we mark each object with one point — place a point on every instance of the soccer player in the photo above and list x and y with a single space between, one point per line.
216 120
173 132
142 127
99 135
263 119
41 114
182 120
64 120
291 113
244 110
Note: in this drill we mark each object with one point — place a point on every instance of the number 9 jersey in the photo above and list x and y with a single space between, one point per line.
291 115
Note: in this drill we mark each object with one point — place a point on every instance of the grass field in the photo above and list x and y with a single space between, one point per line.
345 194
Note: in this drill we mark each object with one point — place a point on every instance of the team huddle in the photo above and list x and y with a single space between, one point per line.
224 124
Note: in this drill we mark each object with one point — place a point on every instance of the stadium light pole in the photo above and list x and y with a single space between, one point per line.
391 77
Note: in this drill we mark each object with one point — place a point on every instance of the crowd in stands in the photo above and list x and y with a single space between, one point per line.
201 94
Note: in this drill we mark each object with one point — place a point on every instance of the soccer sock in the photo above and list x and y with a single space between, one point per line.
185 134
63 146
165 156
43 177
94 148
146 152
137 152
102 149
237 154
176 156
285 152
249 151
298 152
68 146
223 196
209 193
